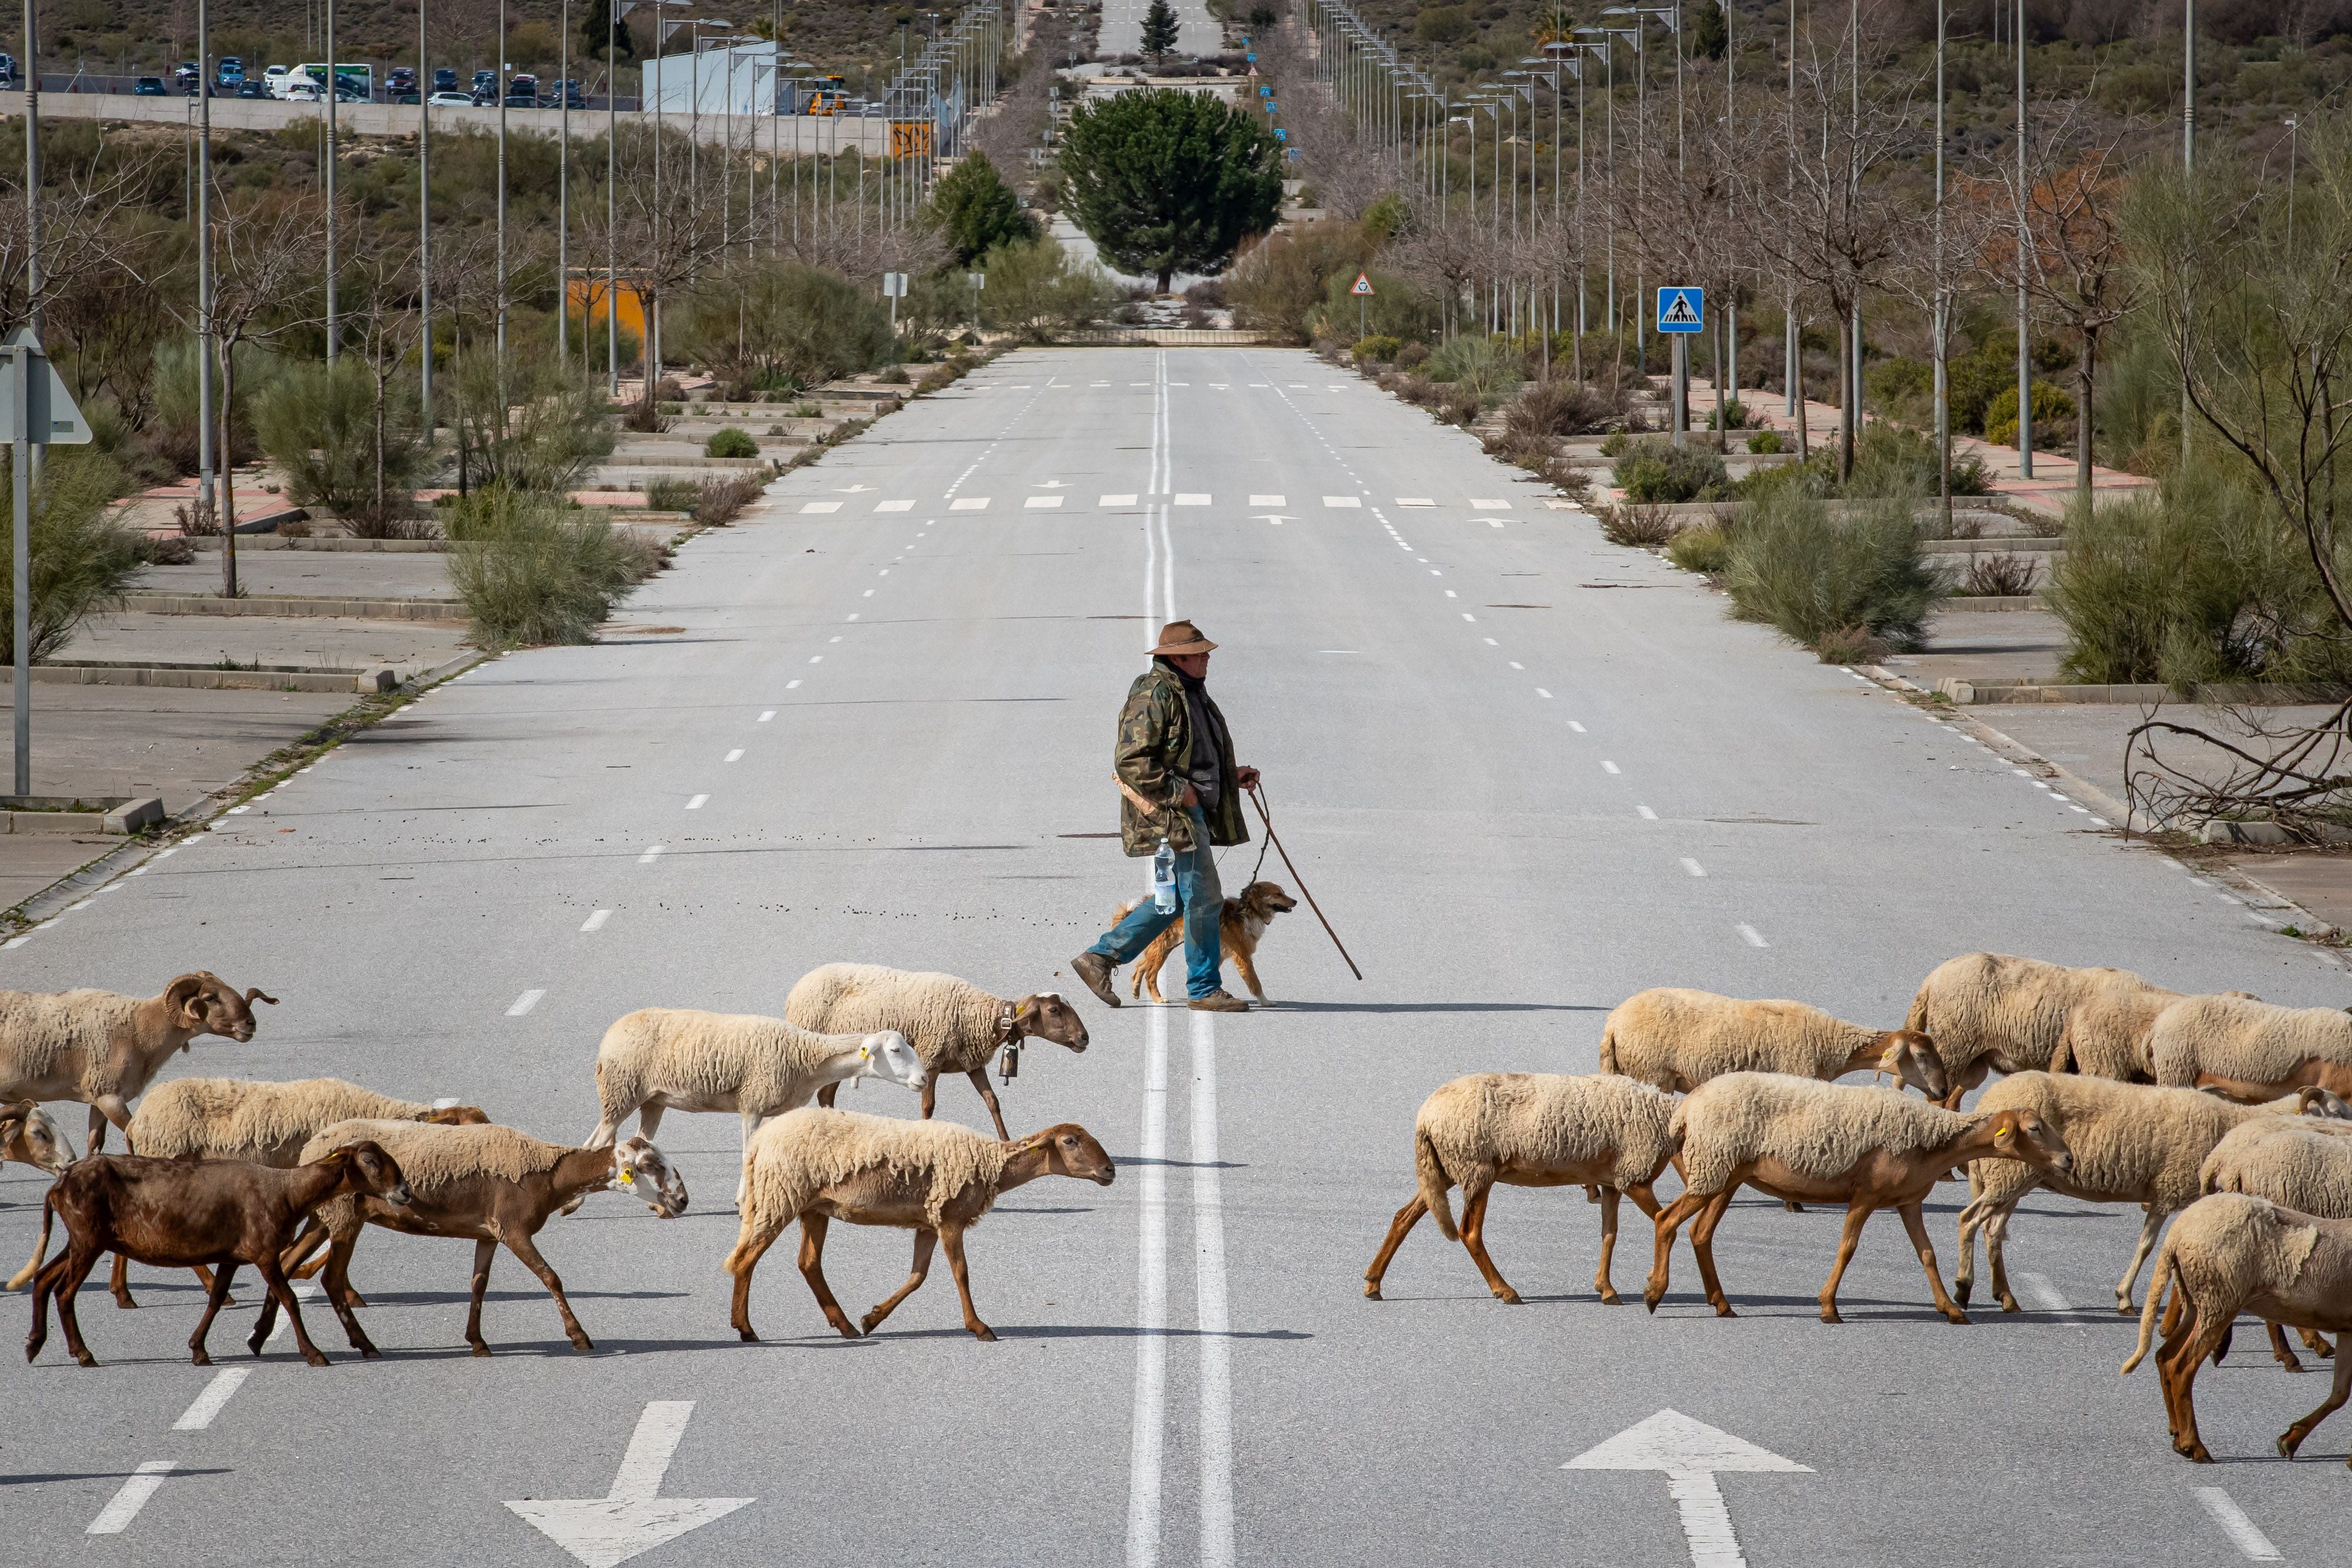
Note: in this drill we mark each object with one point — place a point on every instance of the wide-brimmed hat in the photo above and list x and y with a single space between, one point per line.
1182 637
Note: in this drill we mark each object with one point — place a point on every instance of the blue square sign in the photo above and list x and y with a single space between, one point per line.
1681 309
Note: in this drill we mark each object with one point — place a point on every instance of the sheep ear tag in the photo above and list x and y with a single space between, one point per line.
627 1178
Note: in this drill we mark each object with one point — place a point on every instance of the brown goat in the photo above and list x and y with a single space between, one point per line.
102 1049
1800 1140
457 1190
178 1213
894 1190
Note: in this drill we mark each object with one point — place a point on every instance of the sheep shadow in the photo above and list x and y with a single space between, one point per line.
45 1477
553 1349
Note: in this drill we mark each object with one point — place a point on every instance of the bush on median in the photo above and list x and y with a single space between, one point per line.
1819 580
534 570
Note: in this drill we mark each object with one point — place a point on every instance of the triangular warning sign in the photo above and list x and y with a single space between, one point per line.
1363 284
1679 312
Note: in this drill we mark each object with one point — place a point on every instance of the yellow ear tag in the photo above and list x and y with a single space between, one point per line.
627 1178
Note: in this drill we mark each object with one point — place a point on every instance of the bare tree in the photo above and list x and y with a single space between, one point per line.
264 251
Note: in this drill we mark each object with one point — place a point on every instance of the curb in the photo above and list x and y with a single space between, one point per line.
293 605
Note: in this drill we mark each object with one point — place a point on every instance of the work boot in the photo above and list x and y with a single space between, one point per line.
1220 1001
1095 970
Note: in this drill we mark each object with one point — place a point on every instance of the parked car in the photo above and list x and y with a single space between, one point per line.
400 86
250 88
572 99
149 86
445 79
185 74
485 80
232 69
300 90
451 101
8 70
522 92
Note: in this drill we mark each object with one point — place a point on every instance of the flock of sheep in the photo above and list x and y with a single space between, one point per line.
2118 1090
283 1178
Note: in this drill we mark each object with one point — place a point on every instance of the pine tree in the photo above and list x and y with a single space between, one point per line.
596 26
1711 33
1159 30
1167 181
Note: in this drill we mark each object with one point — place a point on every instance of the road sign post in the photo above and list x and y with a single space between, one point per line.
1363 291
1681 312
36 411
894 288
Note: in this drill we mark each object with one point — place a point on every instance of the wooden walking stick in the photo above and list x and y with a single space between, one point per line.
1258 800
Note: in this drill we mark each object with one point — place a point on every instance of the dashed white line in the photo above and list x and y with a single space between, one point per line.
2242 1532
1647 815
770 713
696 803
788 685
2046 1294
1609 767
116 1517
1576 727
1543 694
735 754
653 852
199 1416
1753 937
525 1002
595 921
1693 866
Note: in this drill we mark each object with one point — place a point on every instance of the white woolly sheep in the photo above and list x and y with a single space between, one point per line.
2227 1254
955 1026
1678 1039
102 1049
2250 1049
1988 1010
487 1185
2297 1162
2132 1144
682 1059
1800 1140
1530 1129
934 1178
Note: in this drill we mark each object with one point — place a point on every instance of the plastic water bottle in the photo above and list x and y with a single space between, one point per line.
1163 880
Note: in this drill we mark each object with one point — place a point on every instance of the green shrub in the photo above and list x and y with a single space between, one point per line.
1766 441
1705 549
1659 471
1487 368
1637 528
2053 418
1735 415
1891 460
673 495
82 557
1377 348
1559 407
720 501
1036 288
1614 444
730 442
339 450
1813 577
534 425
533 569
1412 356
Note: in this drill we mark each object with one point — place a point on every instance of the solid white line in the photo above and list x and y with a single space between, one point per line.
2046 1294
1693 866
1209 1276
1151 1308
116 1517
2243 1533
697 802
595 921
639 1479
1753 937
525 1002
735 754
653 853
199 1416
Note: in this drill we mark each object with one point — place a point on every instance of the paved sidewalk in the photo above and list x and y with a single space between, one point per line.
312 641
343 574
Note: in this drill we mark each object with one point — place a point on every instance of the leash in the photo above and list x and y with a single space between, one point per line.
1257 799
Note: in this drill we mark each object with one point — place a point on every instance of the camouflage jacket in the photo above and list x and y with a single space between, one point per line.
1155 743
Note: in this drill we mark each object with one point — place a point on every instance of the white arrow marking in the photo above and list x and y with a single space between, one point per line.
633 1516
1690 1452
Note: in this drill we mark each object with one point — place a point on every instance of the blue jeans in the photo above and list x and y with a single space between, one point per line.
1199 904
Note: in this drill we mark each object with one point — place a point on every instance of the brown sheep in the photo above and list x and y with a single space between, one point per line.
104 1049
179 1213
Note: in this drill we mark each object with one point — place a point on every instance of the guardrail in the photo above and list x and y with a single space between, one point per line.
1157 336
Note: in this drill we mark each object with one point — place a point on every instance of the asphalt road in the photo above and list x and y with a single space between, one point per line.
1528 774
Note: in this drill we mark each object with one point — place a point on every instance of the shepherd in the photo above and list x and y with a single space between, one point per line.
1177 783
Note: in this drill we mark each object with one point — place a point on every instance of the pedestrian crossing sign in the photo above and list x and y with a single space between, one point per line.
1681 309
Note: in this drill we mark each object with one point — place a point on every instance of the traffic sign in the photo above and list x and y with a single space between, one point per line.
35 406
1265 89
1280 134
1363 284
1681 309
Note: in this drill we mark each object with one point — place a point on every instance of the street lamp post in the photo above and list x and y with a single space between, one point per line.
334 92
2024 329
424 231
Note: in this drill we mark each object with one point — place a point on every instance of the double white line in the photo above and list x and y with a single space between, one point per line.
1216 1445
1158 546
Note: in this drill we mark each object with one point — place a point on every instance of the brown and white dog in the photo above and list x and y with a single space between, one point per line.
1241 924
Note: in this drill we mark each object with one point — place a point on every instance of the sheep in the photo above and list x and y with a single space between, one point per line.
662 1059
484 1184
2231 1253
242 1119
1678 1039
935 1178
955 1024
1987 1010
29 1137
1798 1139
2132 1144
1530 1129
2297 1162
185 1212
2250 1049
102 1049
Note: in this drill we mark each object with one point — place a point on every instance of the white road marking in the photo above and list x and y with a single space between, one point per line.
1151 1307
1216 1544
1414 501
1492 643
1343 500
1450 594
653 852
1190 498
1041 502
836 639
1576 727
305 1292
1490 506
116 1517
595 921
1268 501
2046 1294
969 504
770 713
1116 501
1543 694
1693 866
199 1416
869 593
1609 767
735 754
894 506
1516 665
815 508
1753 937
2242 1532
525 1002
697 802
817 659
792 684
1647 815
